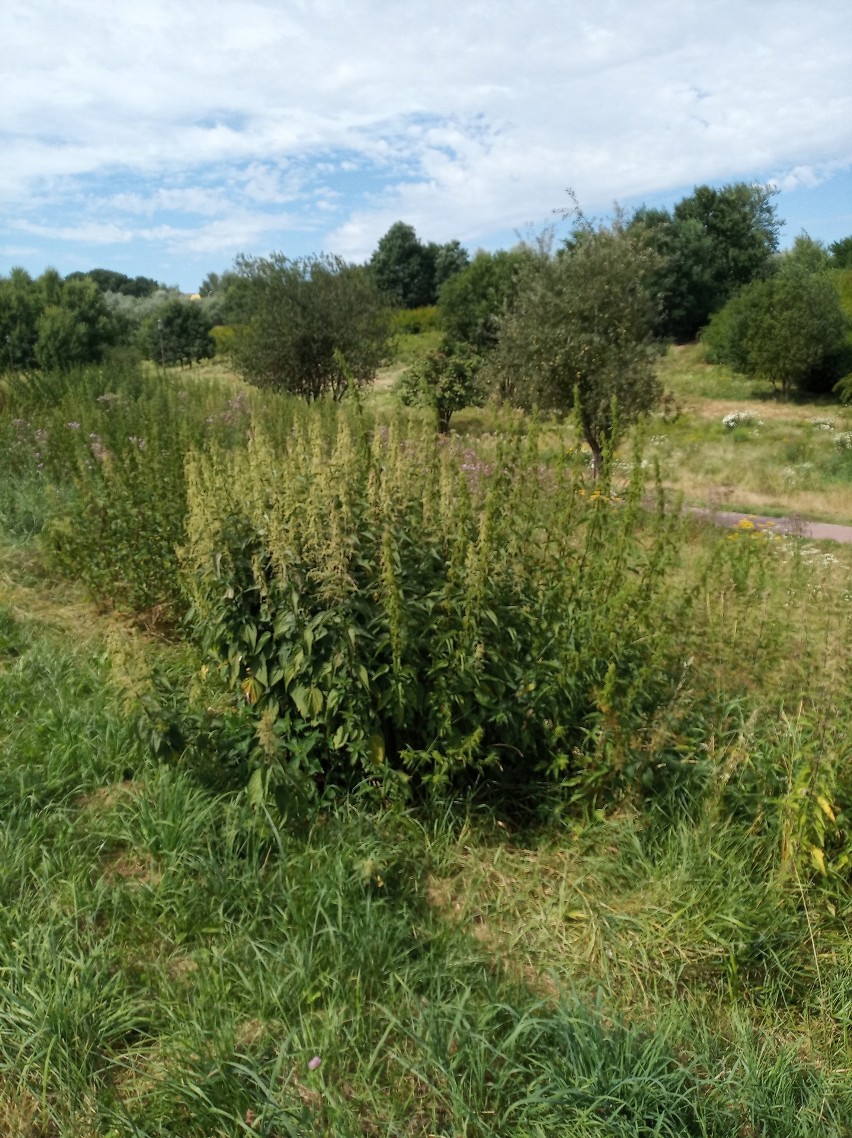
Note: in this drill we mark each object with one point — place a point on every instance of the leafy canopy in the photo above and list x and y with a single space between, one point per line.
841 253
714 242
409 273
472 303
109 280
307 326
581 333
447 380
178 333
787 330
54 324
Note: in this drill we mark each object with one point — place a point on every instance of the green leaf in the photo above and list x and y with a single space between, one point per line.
256 789
299 695
376 746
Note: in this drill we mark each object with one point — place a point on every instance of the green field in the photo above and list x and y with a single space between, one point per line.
649 937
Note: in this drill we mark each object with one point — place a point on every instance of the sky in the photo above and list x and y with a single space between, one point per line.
163 139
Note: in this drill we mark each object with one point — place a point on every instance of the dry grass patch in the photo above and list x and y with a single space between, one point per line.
131 869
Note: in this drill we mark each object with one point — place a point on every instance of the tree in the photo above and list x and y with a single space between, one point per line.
787 330
411 273
472 302
449 260
54 323
307 325
215 293
684 279
216 284
20 306
841 253
742 224
109 280
581 334
178 332
715 241
806 256
404 268
447 380
75 326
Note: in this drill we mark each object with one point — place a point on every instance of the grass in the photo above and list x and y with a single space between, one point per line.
788 464
171 966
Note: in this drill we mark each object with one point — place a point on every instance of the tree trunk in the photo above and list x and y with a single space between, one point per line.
597 451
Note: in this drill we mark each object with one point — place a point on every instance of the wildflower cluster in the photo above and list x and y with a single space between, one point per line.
801 475
741 419
761 529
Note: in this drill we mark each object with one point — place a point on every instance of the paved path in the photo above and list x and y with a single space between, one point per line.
793 527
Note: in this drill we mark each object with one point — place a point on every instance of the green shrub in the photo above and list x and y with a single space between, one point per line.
413 321
395 606
224 337
447 380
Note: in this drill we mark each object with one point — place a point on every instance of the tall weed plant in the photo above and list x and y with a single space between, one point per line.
399 607
96 459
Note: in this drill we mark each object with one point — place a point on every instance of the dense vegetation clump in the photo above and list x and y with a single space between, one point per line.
411 274
308 326
395 603
359 778
789 330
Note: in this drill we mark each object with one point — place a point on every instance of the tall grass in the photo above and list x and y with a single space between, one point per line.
167 972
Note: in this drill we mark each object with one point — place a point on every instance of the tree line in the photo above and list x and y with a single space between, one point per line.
564 325
57 323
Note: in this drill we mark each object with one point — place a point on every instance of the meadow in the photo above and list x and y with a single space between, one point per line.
334 900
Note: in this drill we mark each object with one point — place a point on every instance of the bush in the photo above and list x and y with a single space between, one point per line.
447 380
178 333
413 321
473 303
395 607
308 326
789 330
224 338
96 458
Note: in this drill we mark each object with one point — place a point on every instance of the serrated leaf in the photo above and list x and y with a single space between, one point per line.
256 789
299 695
251 689
825 806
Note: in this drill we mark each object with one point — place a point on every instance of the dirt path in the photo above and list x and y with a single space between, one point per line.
789 527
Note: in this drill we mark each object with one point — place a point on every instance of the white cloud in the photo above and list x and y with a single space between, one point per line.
467 120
